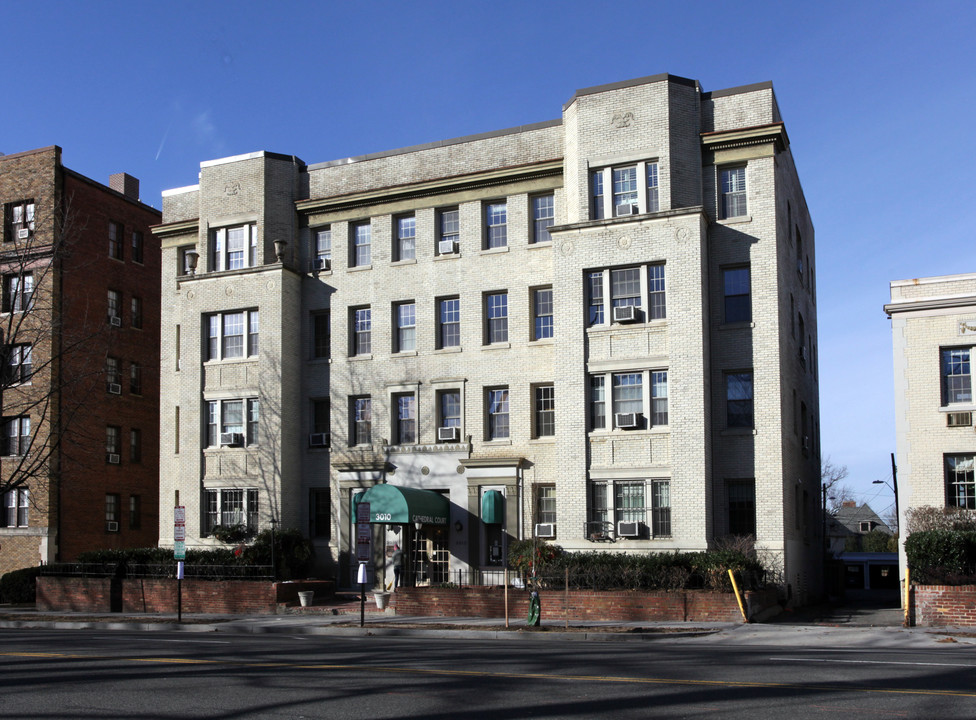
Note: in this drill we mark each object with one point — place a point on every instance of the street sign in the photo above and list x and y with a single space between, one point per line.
179 532
179 515
364 535
179 550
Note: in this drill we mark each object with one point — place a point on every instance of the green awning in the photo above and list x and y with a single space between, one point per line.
492 508
401 505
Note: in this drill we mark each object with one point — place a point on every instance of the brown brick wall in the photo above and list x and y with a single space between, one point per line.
943 605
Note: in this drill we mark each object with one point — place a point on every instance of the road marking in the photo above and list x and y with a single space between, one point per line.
871 662
360 668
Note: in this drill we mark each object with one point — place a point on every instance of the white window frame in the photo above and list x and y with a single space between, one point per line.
496 317
16 506
361 244
361 336
449 329
323 244
16 431
651 300
223 258
653 514
544 410
405 321
956 375
543 217
215 327
406 425
361 417
405 227
733 192
607 187
20 364
216 499
497 407
496 224
219 420
653 399
542 313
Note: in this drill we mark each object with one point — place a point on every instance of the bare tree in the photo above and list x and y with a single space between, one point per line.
831 477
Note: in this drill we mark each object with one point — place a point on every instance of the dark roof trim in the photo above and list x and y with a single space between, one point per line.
767 85
437 144
662 77
105 188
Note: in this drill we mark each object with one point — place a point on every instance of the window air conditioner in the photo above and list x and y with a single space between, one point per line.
23 233
321 263
625 209
111 527
625 420
231 439
545 530
113 458
115 388
959 419
625 314
318 440
628 529
448 434
115 320
446 247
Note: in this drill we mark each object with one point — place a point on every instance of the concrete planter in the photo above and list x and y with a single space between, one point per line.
305 597
382 599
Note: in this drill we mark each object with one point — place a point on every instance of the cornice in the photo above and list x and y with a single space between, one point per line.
930 304
177 228
740 137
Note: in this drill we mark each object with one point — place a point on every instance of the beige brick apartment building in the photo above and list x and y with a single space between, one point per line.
933 327
600 330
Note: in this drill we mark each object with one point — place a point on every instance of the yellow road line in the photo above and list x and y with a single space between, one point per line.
504 675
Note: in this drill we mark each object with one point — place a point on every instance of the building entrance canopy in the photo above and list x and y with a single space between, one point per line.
401 505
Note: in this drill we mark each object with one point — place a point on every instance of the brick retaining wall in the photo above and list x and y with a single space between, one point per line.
941 605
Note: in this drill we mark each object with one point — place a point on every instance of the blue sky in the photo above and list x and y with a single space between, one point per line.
879 100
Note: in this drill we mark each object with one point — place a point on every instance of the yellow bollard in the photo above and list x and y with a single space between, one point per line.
738 596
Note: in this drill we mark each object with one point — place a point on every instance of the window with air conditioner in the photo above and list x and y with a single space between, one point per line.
625 295
320 420
545 530
322 249
113 509
449 415
448 231
113 444
633 189
18 220
232 423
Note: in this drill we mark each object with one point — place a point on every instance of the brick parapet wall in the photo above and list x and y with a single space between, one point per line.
685 606
941 605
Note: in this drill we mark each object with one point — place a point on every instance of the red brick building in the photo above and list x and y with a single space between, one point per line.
79 389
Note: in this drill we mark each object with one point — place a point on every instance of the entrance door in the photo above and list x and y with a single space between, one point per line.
430 559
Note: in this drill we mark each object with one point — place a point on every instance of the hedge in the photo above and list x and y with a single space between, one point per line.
942 557
19 586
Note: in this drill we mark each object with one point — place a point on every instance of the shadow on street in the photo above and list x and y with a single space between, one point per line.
874 608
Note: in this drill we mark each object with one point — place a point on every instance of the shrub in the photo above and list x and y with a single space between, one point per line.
926 517
19 586
942 556
521 552
293 553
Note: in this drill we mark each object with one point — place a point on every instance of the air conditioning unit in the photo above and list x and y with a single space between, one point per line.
115 388
115 320
231 439
321 263
318 440
959 419
23 233
447 247
628 529
111 527
113 458
625 420
625 314
448 434
545 530
625 209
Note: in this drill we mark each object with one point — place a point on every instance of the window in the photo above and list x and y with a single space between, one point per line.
543 217
742 506
449 231
406 327
112 501
115 236
362 331
230 508
15 507
634 189
362 234
629 502
738 307
362 418
113 374
545 504
18 291
320 420
960 481
136 312
448 322
406 422
234 248
135 445
321 335
733 192
239 417
20 364
113 443
545 411
628 394
137 246
542 327
135 379
956 378
135 512
323 249
406 238
630 505
496 313
232 335
660 508
19 220
496 225
628 399
319 513
659 397
739 396
598 402
449 409
16 436
638 287
497 406
114 307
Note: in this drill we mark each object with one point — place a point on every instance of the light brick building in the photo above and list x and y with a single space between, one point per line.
599 329
80 328
933 329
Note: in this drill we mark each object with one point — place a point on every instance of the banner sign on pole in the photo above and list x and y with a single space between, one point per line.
364 535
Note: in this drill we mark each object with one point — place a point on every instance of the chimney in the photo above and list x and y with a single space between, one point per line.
849 503
125 184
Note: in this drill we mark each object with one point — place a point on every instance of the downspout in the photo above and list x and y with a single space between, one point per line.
521 512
